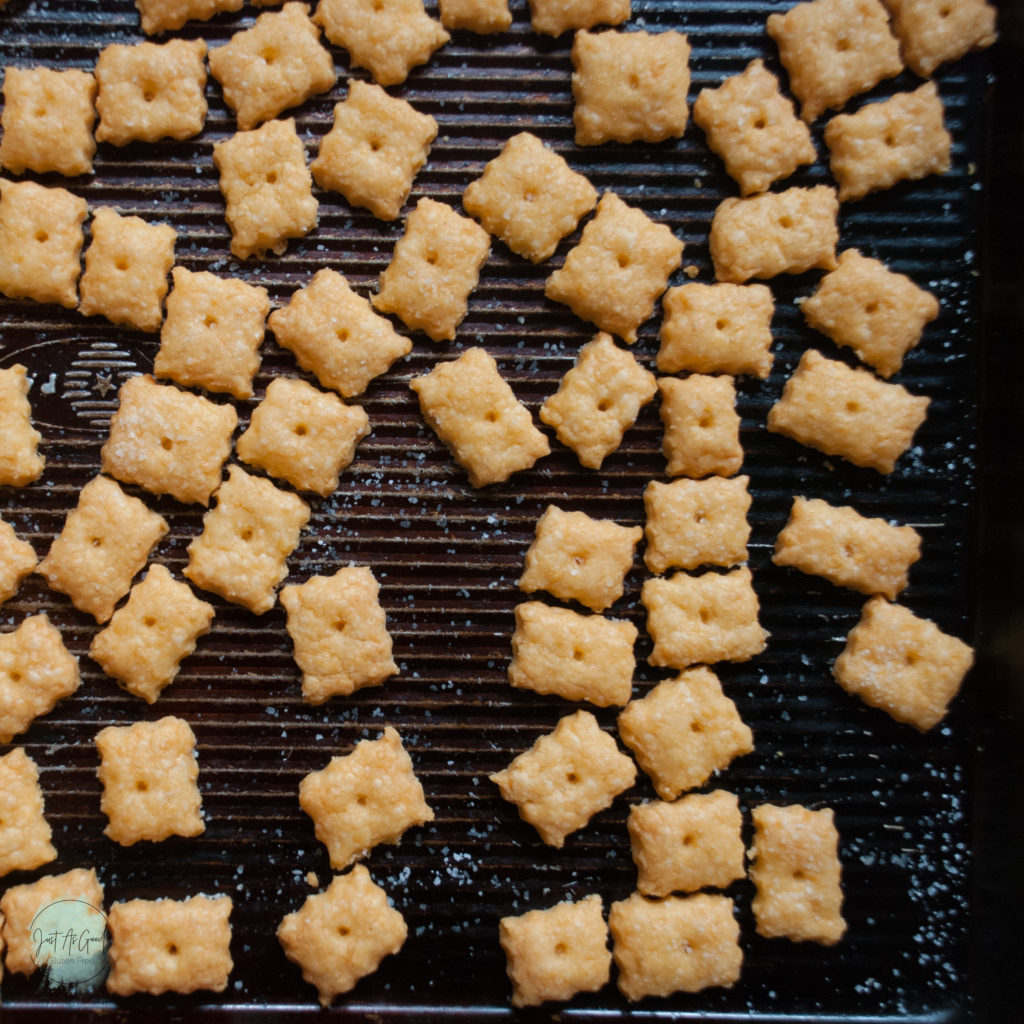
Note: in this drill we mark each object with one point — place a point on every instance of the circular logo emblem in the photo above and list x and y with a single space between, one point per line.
70 940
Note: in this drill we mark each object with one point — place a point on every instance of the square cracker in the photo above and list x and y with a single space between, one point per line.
578 657
36 671
870 309
690 523
342 934
340 633
690 844
481 16
435 265
375 148
576 557
566 777
303 436
678 944
166 15
868 555
630 86
553 17
104 543
702 427
167 440
475 413
775 233
246 540
20 461
17 560
148 637
40 242
619 268
903 138
126 268
847 412
683 731
834 50
47 121
150 91
598 400
334 333
159 946
149 775
903 664
267 188
934 32
552 954
387 37
21 903
529 197
367 797
25 836
717 328
277 63
752 126
212 333
796 871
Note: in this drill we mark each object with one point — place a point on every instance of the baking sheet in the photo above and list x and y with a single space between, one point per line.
448 557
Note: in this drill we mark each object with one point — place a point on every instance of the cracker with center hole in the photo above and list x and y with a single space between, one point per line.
168 441
827 405
481 16
387 37
342 934
576 557
902 664
690 523
834 50
17 559
20 461
47 121
375 148
267 188
148 637
690 844
126 267
247 537
701 426
105 541
364 798
683 731
36 671
25 836
529 197
149 775
903 138
164 945
796 871
775 233
476 414
752 126
340 633
866 554
40 241
150 91
435 265
167 15
934 32
553 17
678 944
334 333
598 399
212 333
554 953
619 268
566 777
865 306
578 657
630 86
717 328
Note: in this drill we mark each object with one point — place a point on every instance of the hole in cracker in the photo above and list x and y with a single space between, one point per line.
798 875
707 420
340 625
301 430
945 12
361 799
342 931
246 534
704 615
529 197
721 323
561 949
852 406
890 140
142 786
374 145
871 307
842 44
172 949
911 657
431 258
121 263
15 676
491 417
623 260
96 542
149 621
849 551
210 321
698 517
578 654
166 443
271 178
604 405
149 93
760 124
785 222
572 777
688 839
42 236
342 334
269 55
696 725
